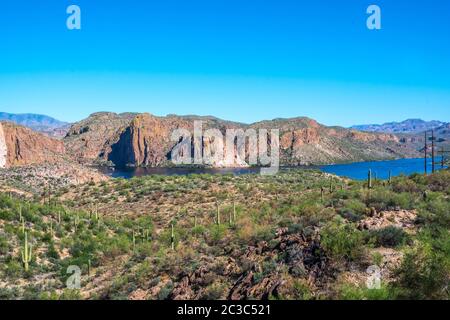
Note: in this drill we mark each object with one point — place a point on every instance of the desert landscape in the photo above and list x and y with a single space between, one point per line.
299 234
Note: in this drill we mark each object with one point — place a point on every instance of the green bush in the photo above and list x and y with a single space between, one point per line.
342 240
353 210
425 269
351 292
389 237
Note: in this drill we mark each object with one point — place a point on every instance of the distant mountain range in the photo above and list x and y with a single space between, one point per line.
133 139
38 122
407 126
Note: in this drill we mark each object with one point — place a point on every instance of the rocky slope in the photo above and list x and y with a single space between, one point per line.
145 140
303 141
21 146
416 140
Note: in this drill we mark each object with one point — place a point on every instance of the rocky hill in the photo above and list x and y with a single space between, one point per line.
37 122
21 146
407 126
416 140
145 140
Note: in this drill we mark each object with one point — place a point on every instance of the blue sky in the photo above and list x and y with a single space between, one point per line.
243 60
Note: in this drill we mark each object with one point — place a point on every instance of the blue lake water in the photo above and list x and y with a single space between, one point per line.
356 170
359 170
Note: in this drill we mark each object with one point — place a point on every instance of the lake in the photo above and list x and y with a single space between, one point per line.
356 170
359 170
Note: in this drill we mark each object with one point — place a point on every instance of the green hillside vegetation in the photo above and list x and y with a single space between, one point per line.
296 235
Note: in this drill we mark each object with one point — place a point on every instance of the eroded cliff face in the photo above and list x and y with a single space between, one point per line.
21 146
91 139
145 140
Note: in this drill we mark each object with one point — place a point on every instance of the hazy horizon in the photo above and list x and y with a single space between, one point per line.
232 120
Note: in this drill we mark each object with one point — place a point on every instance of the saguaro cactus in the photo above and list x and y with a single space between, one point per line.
26 253
234 212
89 267
321 193
51 229
22 220
218 214
390 177
76 222
369 179
172 238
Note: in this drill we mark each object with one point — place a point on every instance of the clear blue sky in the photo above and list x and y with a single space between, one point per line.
243 60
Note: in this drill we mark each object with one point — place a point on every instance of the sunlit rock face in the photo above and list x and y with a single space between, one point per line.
146 140
3 149
21 146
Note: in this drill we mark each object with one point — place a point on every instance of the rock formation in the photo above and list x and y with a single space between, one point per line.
21 146
145 140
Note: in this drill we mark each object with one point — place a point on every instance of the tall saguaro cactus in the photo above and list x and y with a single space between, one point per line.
22 221
218 214
369 179
172 238
26 253
390 177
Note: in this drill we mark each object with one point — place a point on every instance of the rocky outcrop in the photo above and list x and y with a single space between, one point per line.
21 146
91 139
145 140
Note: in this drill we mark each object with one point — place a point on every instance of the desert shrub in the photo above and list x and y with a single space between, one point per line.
439 181
51 251
217 232
9 293
301 290
342 240
246 229
116 246
435 213
315 214
353 210
70 294
425 272
389 237
351 292
8 215
383 199
198 230
165 291
13 269
4 246
405 185
264 233
214 291
378 198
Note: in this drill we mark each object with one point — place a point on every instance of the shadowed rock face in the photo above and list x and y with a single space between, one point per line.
21 146
91 139
145 140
